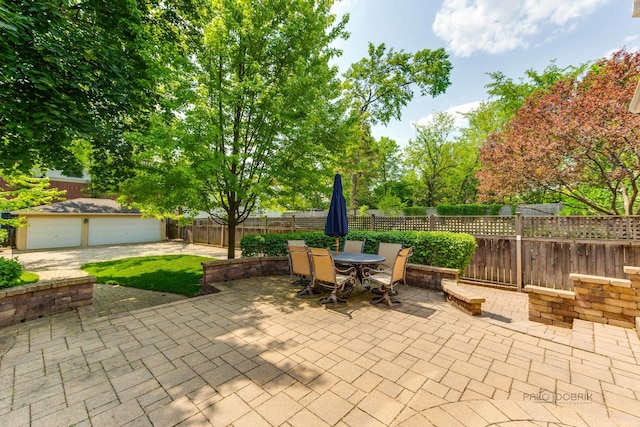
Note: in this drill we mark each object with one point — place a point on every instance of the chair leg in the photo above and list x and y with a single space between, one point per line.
386 297
308 291
333 298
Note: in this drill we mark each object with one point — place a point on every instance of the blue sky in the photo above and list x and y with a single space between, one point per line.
483 36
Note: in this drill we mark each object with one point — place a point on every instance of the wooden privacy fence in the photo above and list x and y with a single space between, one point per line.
513 251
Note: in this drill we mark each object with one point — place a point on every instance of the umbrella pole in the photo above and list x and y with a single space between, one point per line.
337 245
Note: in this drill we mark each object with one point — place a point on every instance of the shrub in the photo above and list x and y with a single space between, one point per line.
415 211
10 272
471 209
436 248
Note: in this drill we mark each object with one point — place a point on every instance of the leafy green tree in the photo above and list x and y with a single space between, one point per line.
391 205
253 117
432 155
385 170
23 191
377 88
72 71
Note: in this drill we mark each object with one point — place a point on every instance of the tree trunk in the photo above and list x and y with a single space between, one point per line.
231 250
353 201
232 224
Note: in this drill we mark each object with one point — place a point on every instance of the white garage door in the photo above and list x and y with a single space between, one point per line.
46 233
106 231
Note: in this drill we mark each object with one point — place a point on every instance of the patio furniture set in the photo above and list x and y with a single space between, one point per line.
341 272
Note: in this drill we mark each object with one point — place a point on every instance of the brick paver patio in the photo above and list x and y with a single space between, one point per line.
255 355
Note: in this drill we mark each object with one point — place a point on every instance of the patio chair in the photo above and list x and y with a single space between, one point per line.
387 279
389 252
353 246
300 267
327 275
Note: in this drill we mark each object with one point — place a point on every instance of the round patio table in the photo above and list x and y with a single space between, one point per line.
359 261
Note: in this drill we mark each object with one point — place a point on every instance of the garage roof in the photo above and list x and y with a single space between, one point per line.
81 206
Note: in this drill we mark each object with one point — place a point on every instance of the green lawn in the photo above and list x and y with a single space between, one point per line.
177 274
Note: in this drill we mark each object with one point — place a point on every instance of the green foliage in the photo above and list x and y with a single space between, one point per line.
470 209
390 205
22 192
415 211
376 89
177 274
10 272
253 117
68 70
432 156
441 249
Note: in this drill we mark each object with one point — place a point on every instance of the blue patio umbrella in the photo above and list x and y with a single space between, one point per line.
337 225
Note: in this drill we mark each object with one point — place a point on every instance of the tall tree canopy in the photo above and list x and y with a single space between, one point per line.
253 115
377 88
576 140
70 70
441 164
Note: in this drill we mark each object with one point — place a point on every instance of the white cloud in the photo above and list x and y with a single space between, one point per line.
496 26
456 111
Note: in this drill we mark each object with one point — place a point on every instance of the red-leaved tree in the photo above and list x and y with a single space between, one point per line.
577 140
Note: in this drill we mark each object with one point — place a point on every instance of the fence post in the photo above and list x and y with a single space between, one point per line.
432 222
293 223
373 222
222 228
266 224
519 251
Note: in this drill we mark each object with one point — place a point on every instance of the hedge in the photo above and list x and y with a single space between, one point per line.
436 248
470 209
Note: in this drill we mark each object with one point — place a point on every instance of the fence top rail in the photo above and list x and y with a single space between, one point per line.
566 227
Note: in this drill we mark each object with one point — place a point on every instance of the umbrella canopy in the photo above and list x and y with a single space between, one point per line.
337 224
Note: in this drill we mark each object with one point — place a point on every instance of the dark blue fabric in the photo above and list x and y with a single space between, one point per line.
337 224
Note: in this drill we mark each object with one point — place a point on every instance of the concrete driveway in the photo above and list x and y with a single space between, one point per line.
64 263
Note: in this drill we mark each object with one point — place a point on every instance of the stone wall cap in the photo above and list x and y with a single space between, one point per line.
541 290
629 269
623 283
576 277
451 287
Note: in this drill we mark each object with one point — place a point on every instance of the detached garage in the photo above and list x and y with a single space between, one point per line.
85 222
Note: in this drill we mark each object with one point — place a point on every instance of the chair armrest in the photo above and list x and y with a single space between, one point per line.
370 271
351 271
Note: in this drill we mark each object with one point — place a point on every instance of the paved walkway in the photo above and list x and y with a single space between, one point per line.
66 263
255 355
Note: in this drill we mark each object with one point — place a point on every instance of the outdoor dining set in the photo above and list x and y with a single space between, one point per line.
341 272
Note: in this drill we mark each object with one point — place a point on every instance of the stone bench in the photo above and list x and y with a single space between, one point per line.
462 298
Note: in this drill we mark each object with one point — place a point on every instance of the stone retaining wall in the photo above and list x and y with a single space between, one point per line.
423 276
241 268
429 277
594 298
22 303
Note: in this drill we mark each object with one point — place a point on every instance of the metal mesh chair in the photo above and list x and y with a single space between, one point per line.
389 252
327 275
386 279
353 246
